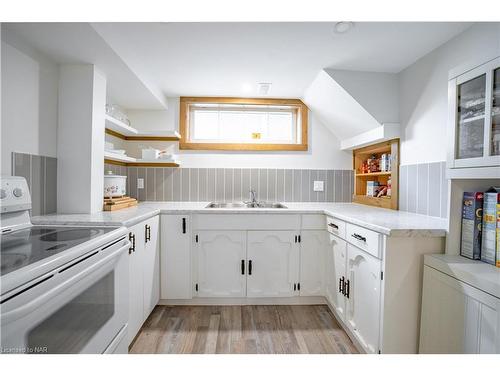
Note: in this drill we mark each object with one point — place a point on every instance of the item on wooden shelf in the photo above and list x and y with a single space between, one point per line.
113 204
381 191
373 164
371 188
389 187
150 153
385 163
498 237
472 215
489 244
114 186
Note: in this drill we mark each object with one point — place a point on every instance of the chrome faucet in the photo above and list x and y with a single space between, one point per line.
253 198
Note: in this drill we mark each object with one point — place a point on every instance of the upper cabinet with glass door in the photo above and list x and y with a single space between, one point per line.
474 122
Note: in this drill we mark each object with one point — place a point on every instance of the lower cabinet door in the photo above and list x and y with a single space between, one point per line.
313 247
151 264
175 268
363 297
273 264
222 264
336 273
457 318
136 282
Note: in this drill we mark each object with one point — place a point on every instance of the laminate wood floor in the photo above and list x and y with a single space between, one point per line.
293 329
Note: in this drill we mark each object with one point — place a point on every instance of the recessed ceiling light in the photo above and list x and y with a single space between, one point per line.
343 27
246 87
264 88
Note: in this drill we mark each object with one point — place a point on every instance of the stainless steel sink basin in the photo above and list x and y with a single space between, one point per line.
246 205
226 205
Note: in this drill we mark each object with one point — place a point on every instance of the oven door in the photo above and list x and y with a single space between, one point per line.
77 308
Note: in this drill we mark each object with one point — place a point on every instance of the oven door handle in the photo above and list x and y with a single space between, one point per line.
8 316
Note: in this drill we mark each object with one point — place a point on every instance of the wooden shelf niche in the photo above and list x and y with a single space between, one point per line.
360 179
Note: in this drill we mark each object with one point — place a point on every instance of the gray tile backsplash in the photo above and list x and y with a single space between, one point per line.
234 184
41 174
423 189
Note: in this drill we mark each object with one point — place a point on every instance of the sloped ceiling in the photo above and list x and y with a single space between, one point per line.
343 113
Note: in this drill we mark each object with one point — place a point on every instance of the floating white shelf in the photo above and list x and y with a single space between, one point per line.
119 127
117 157
121 130
113 158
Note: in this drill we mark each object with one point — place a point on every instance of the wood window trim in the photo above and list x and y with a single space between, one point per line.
186 144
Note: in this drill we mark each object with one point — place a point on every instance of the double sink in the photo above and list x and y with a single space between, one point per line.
246 205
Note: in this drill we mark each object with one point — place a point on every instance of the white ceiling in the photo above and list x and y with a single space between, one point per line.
146 61
77 43
219 58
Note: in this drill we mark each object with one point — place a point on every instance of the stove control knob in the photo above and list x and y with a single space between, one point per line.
3 194
18 192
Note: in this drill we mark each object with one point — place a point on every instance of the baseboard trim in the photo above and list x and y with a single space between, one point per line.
310 300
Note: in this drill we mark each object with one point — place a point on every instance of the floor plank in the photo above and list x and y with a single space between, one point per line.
265 329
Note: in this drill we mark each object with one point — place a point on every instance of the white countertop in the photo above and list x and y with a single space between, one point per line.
480 275
388 222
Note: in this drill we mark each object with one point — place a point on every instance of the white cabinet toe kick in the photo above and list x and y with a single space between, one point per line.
370 281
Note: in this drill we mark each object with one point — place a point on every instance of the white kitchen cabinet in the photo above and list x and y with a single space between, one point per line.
136 280
273 263
474 117
457 317
222 263
313 245
362 292
151 267
175 268
336 273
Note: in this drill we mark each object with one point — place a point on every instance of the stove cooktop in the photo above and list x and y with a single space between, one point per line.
26 246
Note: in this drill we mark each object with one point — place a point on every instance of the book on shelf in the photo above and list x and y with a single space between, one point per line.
472 207
491 200
498 237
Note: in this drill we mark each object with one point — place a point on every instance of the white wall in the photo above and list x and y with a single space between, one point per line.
80 137
376 92
423 90
324 148
29 101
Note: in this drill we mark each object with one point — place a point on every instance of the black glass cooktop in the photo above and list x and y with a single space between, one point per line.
30 245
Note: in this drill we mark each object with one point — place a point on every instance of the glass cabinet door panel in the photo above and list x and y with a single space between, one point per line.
471 117
495 114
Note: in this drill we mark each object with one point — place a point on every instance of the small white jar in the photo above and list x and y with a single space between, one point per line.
114 186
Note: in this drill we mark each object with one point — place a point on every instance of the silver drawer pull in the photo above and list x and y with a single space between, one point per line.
334 226
359 237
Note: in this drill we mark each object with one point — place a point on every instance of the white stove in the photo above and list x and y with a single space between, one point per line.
63 288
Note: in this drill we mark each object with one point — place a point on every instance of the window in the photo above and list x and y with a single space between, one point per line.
243 124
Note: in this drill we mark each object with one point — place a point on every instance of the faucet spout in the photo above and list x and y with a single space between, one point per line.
253 198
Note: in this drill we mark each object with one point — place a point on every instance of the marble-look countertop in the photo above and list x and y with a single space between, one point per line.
483 276
385 221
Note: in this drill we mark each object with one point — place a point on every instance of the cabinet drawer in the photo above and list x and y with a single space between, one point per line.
335 226
313 222
365 239
245 221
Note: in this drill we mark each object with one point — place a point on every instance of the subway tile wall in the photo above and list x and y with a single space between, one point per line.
423 189
234 184
41 174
